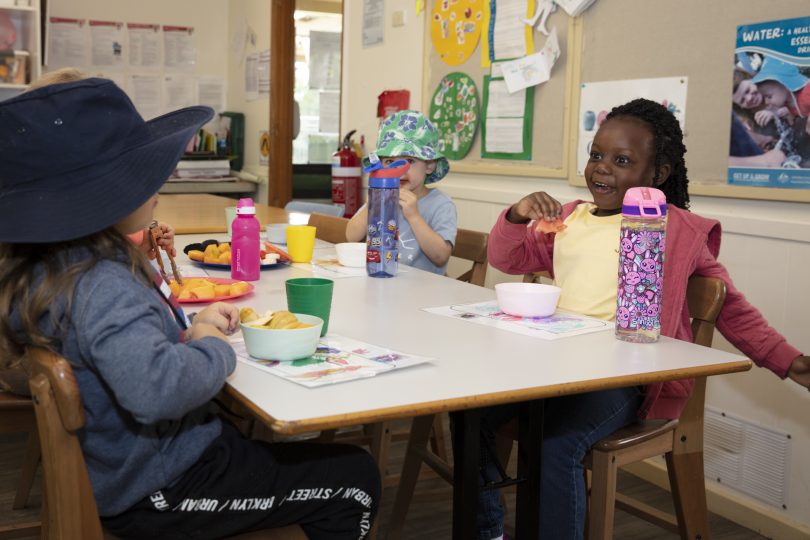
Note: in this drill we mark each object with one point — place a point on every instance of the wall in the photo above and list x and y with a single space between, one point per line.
766 245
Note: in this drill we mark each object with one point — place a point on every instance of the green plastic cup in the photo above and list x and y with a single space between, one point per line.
312 296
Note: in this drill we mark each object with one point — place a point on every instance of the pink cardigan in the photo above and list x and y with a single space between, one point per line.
693 244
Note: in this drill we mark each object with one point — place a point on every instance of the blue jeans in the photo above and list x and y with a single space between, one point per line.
571 425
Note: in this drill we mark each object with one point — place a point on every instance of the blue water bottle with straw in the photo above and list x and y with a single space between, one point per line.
383 217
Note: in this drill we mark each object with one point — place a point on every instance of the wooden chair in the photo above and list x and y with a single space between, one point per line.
17 416
69 507
329 228
472 246
308 207
681 441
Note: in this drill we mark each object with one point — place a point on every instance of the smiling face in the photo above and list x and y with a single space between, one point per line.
414 179
747 95
774 94
622 156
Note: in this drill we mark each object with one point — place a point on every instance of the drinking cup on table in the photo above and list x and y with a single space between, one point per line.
300 242
276 233
311 296
230 215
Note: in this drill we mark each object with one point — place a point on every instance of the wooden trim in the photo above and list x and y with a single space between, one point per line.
430 407
282 59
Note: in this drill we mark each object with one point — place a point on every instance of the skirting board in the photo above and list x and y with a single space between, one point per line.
724 502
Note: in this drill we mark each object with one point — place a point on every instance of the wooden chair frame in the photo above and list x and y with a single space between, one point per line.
329 228
69 507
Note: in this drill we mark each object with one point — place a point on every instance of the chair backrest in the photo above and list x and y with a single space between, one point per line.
310 207
329 228
705 296
472 246
69 506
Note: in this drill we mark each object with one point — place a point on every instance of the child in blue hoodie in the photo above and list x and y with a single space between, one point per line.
81 170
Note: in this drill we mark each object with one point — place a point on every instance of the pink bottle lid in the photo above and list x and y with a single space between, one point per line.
644 203
245 207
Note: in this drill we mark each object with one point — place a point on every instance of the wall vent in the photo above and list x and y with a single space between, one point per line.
747 457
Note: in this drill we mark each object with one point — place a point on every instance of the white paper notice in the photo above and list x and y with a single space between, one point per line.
504 121
178 46
251 77
67 43
263 73
508 35
533 69
144 90
211 92
107 43
179 92
144 45
373 22
324 60
329 112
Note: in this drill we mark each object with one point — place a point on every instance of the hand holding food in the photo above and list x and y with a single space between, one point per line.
199 330
224 317
539 205
555 226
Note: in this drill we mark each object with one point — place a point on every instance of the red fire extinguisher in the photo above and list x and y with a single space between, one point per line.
346 176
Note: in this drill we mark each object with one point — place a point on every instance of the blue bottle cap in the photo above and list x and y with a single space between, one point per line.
384 182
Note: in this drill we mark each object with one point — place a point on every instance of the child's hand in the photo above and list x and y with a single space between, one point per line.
539 205
764 117
800 371
200 330
224 317
407 201
166 238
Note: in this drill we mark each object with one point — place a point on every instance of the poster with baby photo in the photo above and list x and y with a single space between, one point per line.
596 99
770 132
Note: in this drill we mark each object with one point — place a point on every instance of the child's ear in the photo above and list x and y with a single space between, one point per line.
664 171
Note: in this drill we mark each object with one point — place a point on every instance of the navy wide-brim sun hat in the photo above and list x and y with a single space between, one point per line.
77 158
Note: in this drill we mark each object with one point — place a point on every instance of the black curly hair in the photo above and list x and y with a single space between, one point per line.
668 143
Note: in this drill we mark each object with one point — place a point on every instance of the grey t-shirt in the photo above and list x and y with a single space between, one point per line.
439 211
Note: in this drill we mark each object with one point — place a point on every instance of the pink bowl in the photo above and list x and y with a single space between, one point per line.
527 299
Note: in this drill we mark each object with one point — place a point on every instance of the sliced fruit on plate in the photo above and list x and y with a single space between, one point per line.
555 226
283 255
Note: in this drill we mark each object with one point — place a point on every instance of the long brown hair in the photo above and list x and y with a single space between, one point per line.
35 277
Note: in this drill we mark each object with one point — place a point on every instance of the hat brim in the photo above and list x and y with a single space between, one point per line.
91 199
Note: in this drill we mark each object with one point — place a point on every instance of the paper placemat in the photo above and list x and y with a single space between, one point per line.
337 359
560 325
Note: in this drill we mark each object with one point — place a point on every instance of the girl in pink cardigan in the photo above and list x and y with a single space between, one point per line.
640 144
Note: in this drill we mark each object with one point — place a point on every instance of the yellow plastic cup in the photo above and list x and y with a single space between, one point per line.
300 242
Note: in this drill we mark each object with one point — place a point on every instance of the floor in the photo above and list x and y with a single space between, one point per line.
430 513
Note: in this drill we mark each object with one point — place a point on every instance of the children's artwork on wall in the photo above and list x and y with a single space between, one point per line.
770 114
454 111
506 131
598 98
455 28
507 36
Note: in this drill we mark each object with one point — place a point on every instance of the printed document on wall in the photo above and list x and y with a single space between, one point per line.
144 91
144 45
508 36
179 92
251 77
107 43
178 46
211 92
67 43
373 21
506 132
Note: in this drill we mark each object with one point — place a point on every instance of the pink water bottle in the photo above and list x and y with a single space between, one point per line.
641 265
245 242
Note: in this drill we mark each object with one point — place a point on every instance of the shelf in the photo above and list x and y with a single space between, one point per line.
209 187
18 8
8 86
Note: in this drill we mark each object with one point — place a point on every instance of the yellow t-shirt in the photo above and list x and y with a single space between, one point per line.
586 263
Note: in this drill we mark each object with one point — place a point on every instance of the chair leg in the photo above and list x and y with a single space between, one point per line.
438 441
380 433
417 443
603 496
29 470
689 494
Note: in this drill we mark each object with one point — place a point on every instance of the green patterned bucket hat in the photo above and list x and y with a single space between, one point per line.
409 133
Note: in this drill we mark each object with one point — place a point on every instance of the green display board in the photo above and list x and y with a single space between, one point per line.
454 110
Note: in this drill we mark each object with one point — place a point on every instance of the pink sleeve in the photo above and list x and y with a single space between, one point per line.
517 249
744 326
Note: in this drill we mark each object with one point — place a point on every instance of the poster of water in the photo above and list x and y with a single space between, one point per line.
770 132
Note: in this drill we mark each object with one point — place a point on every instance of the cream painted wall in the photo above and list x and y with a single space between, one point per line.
766 245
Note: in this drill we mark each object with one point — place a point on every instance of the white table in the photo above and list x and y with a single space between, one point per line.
475 365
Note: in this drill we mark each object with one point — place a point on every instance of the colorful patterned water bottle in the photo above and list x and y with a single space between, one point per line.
641 265
383 215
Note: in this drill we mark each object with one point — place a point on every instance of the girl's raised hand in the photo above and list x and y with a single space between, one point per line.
800 371
166 238
538 205
224 317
